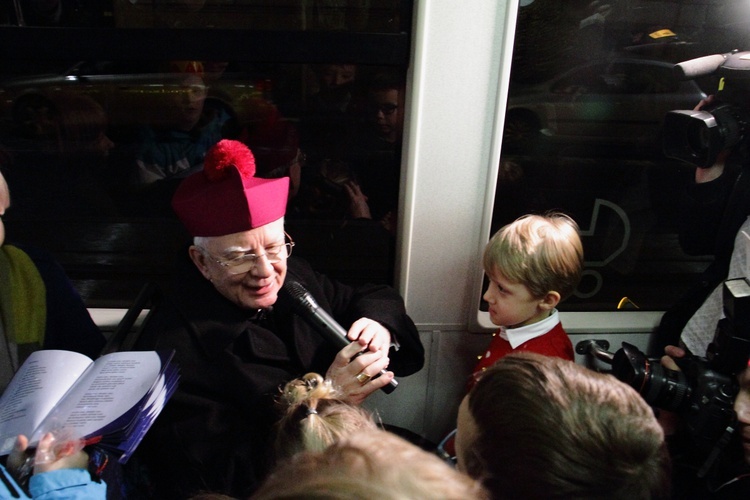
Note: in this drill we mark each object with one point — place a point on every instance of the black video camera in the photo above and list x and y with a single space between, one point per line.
703 392
698 137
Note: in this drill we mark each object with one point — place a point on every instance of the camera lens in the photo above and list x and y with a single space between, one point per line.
692 136
666 389
697 136
659 386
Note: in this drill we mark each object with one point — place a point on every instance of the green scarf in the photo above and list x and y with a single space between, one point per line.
23 304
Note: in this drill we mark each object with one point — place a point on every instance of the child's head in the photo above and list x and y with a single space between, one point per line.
535 424
315 417
368 464
532 264
542 252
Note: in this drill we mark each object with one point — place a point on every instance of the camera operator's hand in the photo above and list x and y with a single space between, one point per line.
704 102
668 420
672 353
714 171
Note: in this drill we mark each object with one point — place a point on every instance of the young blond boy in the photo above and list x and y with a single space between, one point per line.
532 264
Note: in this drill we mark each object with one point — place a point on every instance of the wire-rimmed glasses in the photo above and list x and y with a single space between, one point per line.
245 262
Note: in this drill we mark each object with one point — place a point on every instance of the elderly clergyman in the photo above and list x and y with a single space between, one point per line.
238 340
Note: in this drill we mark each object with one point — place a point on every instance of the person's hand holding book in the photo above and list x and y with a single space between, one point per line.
52 453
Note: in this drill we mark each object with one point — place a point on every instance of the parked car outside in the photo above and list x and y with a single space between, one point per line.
617 102
130 96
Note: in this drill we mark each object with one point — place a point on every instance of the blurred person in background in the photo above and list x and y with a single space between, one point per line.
184 124
60 152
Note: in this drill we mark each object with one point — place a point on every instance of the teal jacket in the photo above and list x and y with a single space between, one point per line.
63 484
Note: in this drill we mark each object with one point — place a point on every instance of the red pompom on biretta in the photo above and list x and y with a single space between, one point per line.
225 154
226 197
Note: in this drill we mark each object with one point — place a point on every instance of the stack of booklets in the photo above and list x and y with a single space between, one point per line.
111 401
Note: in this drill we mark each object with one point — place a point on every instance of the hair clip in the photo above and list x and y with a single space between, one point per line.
311 411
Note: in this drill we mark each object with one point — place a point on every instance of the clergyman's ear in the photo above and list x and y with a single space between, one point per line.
200 260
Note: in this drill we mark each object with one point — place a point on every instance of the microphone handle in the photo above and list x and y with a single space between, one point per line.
328 327
335 333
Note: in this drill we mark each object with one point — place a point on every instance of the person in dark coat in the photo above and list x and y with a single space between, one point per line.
39 306
238 339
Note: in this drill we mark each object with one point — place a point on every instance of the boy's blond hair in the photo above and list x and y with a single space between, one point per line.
542 252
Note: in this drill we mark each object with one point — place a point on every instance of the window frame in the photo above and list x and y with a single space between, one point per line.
24 43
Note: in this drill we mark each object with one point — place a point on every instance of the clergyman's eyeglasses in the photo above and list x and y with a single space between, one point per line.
245 262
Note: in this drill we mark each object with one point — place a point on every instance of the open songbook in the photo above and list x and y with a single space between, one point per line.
111 401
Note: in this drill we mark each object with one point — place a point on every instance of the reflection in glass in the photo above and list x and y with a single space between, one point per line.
378 16
590 86
104 144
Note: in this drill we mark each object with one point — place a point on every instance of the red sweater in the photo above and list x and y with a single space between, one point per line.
553 343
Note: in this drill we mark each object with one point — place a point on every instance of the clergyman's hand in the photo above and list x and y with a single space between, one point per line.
353 372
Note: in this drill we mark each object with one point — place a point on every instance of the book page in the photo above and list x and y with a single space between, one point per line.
35 389
123 436
111 387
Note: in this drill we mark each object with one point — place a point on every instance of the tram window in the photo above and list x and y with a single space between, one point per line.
382 16
590 85
92 149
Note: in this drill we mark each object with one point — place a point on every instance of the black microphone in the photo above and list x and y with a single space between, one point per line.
306 306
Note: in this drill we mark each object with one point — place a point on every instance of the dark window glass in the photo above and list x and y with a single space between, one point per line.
590 86
382 16
93 147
